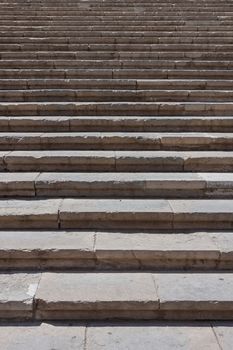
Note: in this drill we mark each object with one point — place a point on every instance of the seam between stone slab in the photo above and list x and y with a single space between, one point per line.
204 180
4 160
85 337
216 336
58 214
34 301
35 183
172 212
218 248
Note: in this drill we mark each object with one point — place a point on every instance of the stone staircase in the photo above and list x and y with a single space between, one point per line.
116 183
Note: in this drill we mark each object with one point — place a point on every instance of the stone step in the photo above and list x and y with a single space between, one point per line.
120 124
62 250
221 9
131 335
71 36
68 21
116 141
54 30
137 9
154 57
130 67
169 296
117 84
115 185
113 73
122 214
177 47
105 95
116 108
42 44
103 295
120 161
157 21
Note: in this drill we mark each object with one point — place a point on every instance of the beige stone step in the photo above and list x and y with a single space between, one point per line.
163 185
116 108
98 73
174 47
117 141
117 295
62 250
137 64
117 84
107 95
146 214
70 52
19 42
123 184
122 214
110 124
70 37
120 161
27 30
